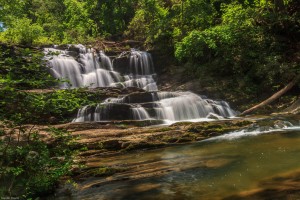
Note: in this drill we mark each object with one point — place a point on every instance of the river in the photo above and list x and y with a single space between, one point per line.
234 166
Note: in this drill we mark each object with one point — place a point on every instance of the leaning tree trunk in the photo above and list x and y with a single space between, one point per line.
273 97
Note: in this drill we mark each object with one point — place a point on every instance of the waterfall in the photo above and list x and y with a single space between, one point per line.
140 113
63 67
106 62
84 67
83 115
187 106
85 70
168 106
141 63
145 82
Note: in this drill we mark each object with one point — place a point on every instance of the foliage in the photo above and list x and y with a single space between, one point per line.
29 167
67 21
110 17
248 46
150 22
23 68
49 107
22 31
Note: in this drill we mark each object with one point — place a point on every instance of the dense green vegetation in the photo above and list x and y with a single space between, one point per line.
67 21
23 69
249 44
30 166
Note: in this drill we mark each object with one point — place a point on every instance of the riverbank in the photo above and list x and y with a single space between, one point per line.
102 140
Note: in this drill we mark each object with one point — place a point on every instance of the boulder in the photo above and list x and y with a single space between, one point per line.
116 111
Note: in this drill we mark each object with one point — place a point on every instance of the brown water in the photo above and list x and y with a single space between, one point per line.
214 169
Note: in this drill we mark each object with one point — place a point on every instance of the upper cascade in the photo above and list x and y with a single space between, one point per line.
141 63
84 67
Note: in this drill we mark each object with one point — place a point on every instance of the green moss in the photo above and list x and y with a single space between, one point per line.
169 139
216 128
143 145
104 171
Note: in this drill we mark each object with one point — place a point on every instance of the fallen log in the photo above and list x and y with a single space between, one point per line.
273 97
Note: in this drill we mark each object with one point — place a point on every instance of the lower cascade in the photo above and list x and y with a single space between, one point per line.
84 67
169 106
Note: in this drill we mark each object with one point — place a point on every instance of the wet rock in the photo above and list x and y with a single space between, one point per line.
213 128
184 139
122 64
125 145
294 108
149 105
214 116
74 49
74 54
129 90
112 145
61 47
115 111
140 97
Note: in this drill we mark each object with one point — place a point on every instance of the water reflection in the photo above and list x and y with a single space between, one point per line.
219 169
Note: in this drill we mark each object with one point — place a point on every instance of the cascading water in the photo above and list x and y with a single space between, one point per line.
84 71
84 67
188 106
88 68
140 113
141 63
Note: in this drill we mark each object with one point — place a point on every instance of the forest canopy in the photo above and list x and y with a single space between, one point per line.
153 21
252 40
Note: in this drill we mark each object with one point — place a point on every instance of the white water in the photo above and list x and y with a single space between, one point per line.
140 113
95 69
188 106
89 68
254 131
170 107
141 63
145 82
83 115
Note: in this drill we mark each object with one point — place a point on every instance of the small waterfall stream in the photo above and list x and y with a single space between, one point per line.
140 113
84 67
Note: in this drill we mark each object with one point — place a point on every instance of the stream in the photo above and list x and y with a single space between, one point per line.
232 166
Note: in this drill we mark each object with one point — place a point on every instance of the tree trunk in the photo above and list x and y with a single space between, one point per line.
273 97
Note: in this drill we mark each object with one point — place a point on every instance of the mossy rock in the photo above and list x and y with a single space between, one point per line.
216 128
144 145
102 171
112 145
